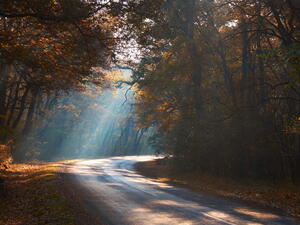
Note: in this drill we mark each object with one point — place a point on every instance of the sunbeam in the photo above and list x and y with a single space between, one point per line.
91 124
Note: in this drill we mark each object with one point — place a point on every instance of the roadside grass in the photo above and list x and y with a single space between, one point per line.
285 197
35 195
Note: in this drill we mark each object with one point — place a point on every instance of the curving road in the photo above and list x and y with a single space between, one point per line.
113 190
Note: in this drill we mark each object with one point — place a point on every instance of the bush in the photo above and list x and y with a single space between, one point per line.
5 156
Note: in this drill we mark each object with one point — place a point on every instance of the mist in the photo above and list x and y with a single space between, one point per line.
98 122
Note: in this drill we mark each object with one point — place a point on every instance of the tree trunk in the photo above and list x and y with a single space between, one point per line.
14 103
22 108
3 99
30 113
3 91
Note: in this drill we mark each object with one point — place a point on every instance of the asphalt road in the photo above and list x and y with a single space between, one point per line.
118 195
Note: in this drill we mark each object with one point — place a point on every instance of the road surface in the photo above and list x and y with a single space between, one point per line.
113 190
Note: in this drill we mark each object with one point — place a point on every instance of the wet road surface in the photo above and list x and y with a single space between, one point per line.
113 190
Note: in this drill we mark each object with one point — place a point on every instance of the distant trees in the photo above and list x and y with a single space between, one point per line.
220 81
91 123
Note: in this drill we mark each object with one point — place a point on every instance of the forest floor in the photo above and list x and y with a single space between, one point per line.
283 197
36 194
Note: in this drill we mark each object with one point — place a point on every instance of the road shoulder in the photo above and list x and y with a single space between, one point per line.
282 199
36 193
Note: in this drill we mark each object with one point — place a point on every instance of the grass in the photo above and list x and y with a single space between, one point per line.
285 197
35 194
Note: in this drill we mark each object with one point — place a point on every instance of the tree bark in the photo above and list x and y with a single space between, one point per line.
3 91
22 108
14 103
30 113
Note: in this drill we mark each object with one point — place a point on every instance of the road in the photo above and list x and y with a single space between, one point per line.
113 190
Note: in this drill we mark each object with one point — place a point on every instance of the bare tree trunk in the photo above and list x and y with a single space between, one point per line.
3 91
137 140
245 64
14 103
22 108
261 71
30 113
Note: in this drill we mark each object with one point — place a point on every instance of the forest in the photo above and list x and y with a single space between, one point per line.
212 84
